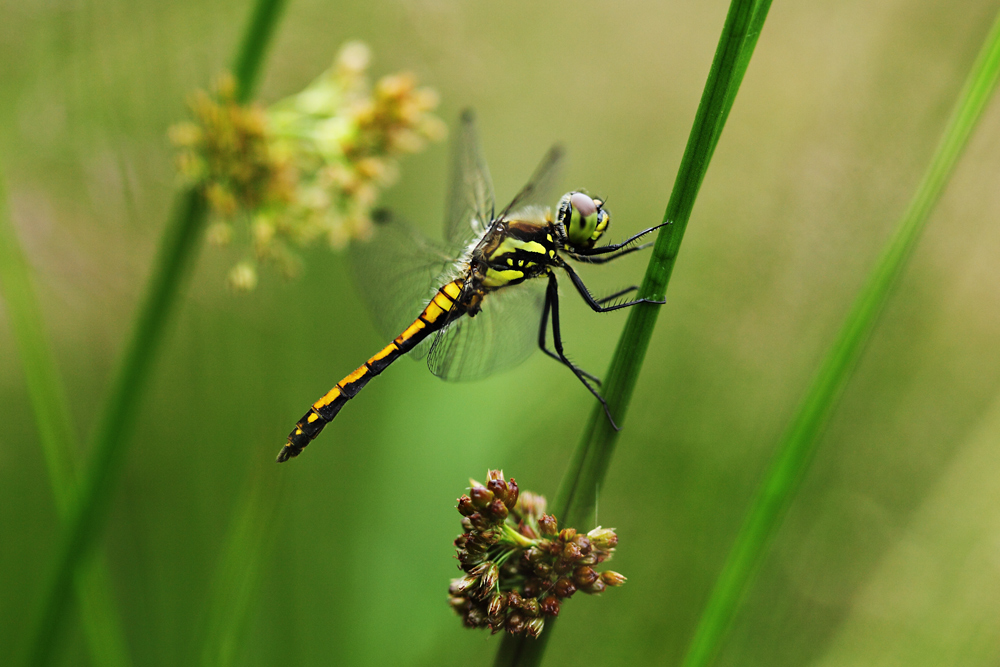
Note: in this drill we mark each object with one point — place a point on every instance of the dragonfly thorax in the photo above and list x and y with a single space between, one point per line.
582 220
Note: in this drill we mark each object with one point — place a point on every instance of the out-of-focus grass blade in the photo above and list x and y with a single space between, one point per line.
98 612
578 492
577 497
796 448
234 586
116 421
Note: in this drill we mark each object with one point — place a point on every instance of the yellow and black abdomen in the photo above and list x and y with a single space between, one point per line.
433 317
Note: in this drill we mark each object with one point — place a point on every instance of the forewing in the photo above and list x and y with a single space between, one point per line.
470 199
499 337
397 272
538 190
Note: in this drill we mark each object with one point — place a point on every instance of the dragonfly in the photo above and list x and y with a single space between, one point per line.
489 294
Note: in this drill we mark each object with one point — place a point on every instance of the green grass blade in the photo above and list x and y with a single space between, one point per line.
235 583
796 449
578 493
254 45
98 611
117 419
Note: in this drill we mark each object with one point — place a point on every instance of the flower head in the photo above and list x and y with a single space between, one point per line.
310 166
518 568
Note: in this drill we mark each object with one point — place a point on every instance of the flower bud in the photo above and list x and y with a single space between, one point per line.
533 628
513 599
603 538
498 510
490 576
530 606
480 496
480 569
550 606
512 494
583 543
497 604
498 487
548 525
542 570
584 576
612 578
461 541
469 559
595 588
567 534
564 588
475 618
571 552
515 623
532 587
465 506
461 585
479 522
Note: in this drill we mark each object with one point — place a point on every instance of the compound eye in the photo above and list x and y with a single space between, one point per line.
583 203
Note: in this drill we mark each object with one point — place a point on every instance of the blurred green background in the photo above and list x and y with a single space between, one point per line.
890 553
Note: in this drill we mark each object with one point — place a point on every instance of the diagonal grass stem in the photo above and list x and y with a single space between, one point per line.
796 449
116 422
98 611
578 492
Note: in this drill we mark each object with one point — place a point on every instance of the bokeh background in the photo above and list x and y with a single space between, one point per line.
891 553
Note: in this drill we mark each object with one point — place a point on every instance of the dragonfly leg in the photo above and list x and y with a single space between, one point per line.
594 303
617 294
543 329
552 303
604 259
612 247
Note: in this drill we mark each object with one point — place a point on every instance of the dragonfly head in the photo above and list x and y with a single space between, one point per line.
582 218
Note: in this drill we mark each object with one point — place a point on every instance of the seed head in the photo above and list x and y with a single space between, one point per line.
519 566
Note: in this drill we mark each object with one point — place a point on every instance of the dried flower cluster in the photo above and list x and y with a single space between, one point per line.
519 567
310 166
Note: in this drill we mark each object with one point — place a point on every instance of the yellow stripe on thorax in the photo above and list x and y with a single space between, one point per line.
511 245
496 278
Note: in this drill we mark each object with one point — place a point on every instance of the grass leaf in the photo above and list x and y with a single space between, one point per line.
577 497
799 443
98 611
109 443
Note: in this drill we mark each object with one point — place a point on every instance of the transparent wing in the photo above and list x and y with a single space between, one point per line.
397 272
470 199
538 190
499 337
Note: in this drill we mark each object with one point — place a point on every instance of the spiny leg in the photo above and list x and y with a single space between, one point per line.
594 303
603 250
604 259
543 329
552 299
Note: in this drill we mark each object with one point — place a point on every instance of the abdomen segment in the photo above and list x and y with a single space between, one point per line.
325 409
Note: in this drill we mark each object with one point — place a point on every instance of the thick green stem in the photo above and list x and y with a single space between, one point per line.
796 449
98 612
109 443
577 497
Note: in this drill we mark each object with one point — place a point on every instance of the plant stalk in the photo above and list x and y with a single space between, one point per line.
796 449
578 492
98 611
115 426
